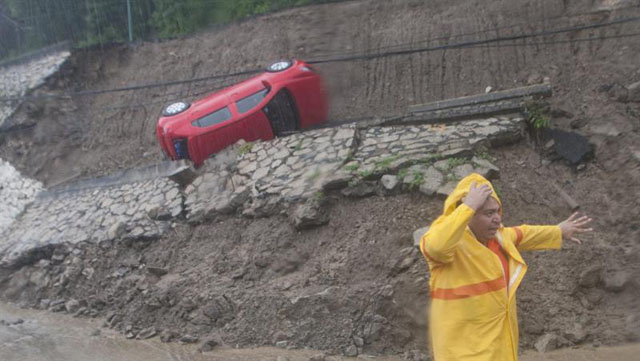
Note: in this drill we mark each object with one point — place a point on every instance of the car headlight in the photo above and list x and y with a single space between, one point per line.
175 108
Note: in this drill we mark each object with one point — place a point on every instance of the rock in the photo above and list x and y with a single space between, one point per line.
547 342
360 190
168 336
282 344
389 181
573 147
432 180
417 235
446 189
72 306
358 341
351 351
282 358
116 230
462 171
632 328
189 339
590 277
311 214
95 333
486 168
576 333
616 281
633 92
208 345
336 181
147 333
605 129
157 271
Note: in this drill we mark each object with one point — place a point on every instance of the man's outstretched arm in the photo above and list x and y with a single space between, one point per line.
550 237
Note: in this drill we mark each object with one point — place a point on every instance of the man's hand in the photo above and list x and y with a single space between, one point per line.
573 225
477 195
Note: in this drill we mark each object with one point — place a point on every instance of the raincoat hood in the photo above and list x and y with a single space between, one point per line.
462 189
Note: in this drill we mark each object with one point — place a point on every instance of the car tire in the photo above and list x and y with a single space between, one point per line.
280 65
282 114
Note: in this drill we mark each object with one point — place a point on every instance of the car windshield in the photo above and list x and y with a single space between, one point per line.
216 117
247 103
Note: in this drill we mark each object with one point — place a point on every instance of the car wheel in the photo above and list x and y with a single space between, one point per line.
282 113
279 66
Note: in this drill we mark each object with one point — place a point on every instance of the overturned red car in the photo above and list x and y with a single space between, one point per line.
287 97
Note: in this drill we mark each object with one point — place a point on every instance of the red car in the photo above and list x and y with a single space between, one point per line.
287 97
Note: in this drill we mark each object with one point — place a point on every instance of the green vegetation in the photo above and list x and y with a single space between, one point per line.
454 162
385 163
245 148
402 173
298 146
418 179
365 172
31 24
536 116
352 167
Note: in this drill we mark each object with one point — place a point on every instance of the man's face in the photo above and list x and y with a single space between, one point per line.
486 221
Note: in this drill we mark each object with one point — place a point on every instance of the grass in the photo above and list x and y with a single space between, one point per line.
418 179
352 168
245 148
536 116
385 163
454 162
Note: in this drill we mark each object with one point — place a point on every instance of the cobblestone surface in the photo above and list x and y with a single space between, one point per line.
135 210
258 180
17 80
16 192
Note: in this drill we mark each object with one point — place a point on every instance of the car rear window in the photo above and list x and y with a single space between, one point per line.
216 117
247 103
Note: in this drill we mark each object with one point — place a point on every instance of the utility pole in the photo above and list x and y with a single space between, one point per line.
129 18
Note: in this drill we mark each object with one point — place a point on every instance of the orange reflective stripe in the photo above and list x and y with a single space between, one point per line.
424 251
475 289
518 235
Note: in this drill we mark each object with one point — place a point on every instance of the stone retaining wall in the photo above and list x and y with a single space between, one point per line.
17 80
259 179
16 192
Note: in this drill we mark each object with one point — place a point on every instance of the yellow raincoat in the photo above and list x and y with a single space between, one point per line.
473 308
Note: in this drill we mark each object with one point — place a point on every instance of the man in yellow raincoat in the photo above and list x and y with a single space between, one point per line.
476 267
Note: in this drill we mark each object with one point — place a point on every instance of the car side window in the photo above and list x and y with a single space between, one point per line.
247 103
216 117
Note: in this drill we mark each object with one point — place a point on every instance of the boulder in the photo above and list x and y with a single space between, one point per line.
432 180
547 342
389 182
310 214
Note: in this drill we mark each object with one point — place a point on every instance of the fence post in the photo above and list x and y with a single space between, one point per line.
129 20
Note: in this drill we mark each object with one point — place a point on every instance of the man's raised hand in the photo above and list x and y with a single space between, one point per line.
477 195
573 225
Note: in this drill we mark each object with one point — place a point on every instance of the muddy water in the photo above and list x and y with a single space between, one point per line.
56 337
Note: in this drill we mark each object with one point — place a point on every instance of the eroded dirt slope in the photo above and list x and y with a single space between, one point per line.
258 281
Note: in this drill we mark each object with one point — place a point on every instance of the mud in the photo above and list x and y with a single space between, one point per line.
252 282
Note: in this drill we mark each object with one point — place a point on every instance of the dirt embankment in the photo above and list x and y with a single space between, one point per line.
356 281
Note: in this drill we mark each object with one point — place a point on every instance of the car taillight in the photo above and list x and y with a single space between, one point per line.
180 146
